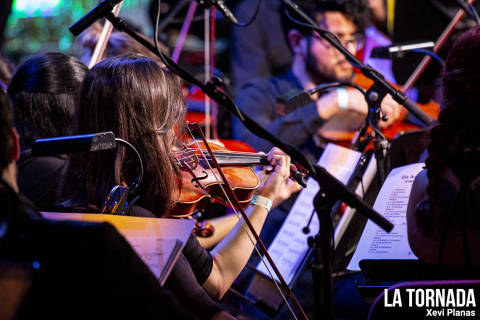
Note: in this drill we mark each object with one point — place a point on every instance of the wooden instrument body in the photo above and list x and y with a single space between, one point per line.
341 129
200 185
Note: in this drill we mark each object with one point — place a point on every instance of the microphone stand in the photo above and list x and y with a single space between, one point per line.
380 143
375 93
329 184
213 90
380 86
116 202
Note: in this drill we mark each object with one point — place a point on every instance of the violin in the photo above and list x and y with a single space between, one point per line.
199 182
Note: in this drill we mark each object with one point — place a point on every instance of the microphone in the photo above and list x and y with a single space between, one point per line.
220 5
117 200
292 100
71 144
399 50
299 100
100 11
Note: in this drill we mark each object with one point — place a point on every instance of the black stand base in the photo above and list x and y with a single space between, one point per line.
322 245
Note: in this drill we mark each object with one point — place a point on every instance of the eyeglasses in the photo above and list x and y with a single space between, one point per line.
348 41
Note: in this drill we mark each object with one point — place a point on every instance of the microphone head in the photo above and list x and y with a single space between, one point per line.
399 50
96 13
295 102
380 52
71 144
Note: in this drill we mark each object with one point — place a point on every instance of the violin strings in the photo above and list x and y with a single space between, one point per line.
249 235
221 157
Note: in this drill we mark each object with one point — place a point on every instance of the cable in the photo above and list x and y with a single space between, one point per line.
249 22
431 54
322 33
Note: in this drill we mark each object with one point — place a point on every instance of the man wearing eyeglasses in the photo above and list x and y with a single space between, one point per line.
315 62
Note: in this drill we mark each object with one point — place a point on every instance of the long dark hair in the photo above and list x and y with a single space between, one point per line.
140 102
43 92
455 142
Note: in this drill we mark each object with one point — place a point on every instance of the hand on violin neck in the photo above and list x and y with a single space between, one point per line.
276 186
392 111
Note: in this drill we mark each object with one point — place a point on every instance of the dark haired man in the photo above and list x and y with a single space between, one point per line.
78 269
315 61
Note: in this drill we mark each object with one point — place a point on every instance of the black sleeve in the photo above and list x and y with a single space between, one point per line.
38 179
131 278
199 258
182 281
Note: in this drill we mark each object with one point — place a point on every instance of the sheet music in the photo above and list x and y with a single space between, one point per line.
392 202
157 254
290 245
158 242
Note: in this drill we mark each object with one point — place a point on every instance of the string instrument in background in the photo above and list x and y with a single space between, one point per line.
343 131
342 128
199 185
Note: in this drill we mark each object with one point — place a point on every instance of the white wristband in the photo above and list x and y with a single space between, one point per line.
342 98
261 201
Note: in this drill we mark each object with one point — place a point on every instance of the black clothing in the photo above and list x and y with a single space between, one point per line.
38 179
408 147
82 270
188 274
191 270
199 258
258 100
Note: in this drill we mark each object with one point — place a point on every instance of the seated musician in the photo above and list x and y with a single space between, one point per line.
43 93
77 269
443 213
142 103
315 62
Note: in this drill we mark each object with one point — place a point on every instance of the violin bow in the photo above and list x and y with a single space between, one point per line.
233 199
103 39
438 44
209 31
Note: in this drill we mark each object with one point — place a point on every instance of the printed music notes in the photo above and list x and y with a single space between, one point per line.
392 202
290 246
158 242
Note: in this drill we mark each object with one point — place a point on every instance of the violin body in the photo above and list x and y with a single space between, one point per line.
200 186
193 198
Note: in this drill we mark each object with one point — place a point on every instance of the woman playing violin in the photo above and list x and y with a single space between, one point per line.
142 103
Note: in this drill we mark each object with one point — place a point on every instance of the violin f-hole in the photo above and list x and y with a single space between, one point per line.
196 179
